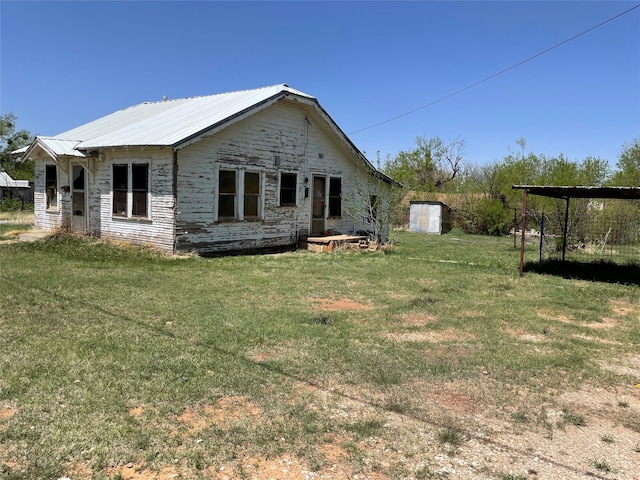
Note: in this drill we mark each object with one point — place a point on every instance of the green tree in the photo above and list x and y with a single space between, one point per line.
429 166
10 140
628 167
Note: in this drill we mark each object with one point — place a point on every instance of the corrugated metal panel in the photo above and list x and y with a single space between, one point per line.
167 123
7 181
60 147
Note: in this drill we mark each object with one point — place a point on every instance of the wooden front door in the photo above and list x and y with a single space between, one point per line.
318 205
78 199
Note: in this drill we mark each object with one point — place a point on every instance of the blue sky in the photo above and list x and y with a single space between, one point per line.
67 63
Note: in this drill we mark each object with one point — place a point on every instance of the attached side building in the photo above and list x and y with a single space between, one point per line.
244 170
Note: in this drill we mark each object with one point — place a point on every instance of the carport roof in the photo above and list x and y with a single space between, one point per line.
581 192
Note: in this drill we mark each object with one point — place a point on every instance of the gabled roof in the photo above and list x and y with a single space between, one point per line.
54 147
178 123
171 122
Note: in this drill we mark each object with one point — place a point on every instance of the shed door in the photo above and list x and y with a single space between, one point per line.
318 205
434 219
78 199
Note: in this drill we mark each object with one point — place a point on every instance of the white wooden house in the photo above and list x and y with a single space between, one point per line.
245 170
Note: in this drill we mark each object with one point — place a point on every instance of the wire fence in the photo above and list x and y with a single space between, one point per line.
596 230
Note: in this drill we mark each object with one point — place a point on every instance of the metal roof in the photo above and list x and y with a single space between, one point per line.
581 192
7 181
170 122
178 123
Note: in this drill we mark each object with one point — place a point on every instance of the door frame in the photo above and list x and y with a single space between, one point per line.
317 220
79 223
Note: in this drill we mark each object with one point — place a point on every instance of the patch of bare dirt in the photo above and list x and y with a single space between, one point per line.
137 411
7 412
136 471
77 471
338 305
227 411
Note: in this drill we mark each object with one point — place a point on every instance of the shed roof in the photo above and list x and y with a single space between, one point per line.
581 192
7 181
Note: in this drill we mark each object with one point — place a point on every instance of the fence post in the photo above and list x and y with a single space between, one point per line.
524 225
566 227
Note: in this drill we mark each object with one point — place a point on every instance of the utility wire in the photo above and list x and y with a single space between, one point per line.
496 74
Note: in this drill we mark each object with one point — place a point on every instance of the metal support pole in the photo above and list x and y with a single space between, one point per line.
515 227
541 234
566 227
524 226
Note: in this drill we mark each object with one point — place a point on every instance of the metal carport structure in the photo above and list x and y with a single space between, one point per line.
567 193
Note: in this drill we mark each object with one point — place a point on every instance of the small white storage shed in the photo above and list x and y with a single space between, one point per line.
429 217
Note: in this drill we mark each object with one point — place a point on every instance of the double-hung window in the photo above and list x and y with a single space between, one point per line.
239 195
251 195
130 190
227 198
51 186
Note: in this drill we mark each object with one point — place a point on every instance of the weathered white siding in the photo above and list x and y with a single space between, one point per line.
286 137
290 136
158 229
48 219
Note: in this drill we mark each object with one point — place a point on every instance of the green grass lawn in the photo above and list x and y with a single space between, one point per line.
112 356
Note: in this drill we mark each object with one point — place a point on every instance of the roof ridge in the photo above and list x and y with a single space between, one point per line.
149 102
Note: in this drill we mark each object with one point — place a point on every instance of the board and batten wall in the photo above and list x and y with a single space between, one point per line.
285 137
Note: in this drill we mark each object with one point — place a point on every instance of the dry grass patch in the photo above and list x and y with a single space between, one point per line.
627 365
524 336
433 336
605 324
623 308
589 338
555 317
416 319
272 353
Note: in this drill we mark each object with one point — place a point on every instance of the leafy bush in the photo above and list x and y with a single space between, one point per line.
10 204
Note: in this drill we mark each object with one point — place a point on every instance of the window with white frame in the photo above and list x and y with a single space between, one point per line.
239 195
51 186
251 195
130 190
227 198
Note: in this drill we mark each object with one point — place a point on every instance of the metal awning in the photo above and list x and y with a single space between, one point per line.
581 192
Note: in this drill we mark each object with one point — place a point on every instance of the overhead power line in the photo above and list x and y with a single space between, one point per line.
496 74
